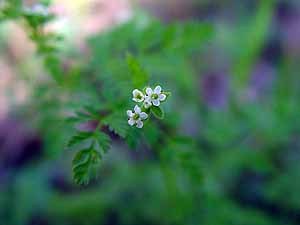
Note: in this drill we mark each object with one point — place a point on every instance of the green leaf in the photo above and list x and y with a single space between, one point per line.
116 123
157 112
103 140
186 36
78 138
85 165
153 134
81 116
81 157
139 76
133 138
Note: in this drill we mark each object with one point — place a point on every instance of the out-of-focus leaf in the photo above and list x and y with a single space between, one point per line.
103 141
133 138
157 112
85 165
139 76
117 123
78 138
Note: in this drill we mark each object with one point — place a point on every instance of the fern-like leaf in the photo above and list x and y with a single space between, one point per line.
116 123
139 76
103 140
85 165
78 138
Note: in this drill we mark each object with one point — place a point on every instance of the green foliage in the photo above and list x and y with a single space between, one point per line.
122 60
199 165
85 165
46 42
117 123
125 58
86 161
103 141
79 137
139 76
157 112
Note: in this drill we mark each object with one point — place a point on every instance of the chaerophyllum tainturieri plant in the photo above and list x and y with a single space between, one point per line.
150 101
109 112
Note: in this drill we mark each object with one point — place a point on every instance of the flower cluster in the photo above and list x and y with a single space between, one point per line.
148 98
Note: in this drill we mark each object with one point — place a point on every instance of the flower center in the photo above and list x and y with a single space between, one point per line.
155 96
136 116
139 96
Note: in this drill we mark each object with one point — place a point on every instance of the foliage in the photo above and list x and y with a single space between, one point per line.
201 164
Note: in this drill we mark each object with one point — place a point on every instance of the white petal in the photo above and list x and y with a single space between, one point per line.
131 122
138 100
157 90
162 97
135 92
129 113
139 124
137 109
156 102
147 104
149 91
143 115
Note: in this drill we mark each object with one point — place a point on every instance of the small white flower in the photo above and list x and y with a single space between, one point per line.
136 117
138 96
155 96
37 9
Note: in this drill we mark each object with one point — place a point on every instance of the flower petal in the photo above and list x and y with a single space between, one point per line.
139 124
156 102
162 97
143 115
135 92
157 90
130 113
131 122
138 100
137 109
149 91
147 104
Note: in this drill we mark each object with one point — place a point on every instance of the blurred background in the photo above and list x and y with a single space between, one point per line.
235 99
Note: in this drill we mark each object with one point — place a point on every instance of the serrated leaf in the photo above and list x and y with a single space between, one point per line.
139 76
78 138
85 164
103 141
93 111
157 112
81 157
116 123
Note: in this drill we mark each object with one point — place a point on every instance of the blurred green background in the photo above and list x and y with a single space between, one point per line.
228 150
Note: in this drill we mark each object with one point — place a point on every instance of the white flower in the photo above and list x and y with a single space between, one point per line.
138 96
155 96
136 117
37 9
